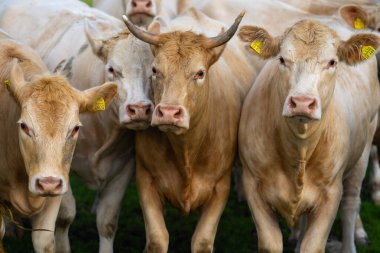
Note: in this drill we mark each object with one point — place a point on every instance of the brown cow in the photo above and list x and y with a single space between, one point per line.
36 155
306 131
198 92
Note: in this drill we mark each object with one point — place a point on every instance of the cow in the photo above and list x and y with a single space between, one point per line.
103 49
39 126
140 12
306 130
198 86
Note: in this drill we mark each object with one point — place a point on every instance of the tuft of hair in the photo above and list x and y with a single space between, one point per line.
350 51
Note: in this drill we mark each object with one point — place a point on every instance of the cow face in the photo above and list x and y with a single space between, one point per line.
180 74
142 12
127 62
308 54
49 125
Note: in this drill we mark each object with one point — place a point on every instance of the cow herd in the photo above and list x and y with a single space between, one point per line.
165 91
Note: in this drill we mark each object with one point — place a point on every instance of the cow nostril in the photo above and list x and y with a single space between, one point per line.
159 112
134 4
148 111
148 4
178 114
313 105
292 104
130 110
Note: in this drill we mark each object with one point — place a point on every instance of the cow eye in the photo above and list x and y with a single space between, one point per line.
331 63
154 70
282 61
25 128
74 131
199 75
111 70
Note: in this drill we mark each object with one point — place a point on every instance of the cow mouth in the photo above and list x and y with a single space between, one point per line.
141 18
137 125
302 118
171 128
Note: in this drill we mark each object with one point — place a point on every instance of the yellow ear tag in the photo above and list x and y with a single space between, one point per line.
257 46
6 83
358 24
367 52
100 105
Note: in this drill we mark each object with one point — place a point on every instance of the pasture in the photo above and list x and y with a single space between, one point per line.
236 231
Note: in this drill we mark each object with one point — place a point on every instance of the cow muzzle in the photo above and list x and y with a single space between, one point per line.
137 116
48 185
172 118
305 108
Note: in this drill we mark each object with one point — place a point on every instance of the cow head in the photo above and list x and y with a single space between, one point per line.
180 73
49 125
357 17
308 55
142 12
127 62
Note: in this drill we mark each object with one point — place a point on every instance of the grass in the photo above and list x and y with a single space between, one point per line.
236 231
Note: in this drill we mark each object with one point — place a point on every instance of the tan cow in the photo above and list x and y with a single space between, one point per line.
306 131
39 124
198 85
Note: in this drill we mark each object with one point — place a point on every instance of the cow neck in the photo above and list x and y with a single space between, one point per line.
298 143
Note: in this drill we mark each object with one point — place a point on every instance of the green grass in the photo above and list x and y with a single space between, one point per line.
236 231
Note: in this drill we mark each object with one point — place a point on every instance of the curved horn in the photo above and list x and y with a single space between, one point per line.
145 36
226 36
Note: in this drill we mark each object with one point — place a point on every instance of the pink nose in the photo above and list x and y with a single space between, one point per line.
141 6
49 185
169 113
139 111
303 104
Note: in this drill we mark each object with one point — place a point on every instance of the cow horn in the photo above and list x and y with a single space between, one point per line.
145 36
226 36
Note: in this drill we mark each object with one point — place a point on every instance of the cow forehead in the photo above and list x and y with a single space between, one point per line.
50 102
180 48
309 40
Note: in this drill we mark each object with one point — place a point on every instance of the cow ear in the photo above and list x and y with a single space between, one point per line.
260 41
355 16
16 81
95 32
358 48
97 98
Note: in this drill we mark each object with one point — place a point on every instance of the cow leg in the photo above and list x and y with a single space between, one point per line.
157 236
350 204
267 225
108 208
375 175
361 236
65 218
320 221
43 241
204 235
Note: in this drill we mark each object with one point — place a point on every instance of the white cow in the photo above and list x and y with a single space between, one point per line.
306 129
104 157
140 12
